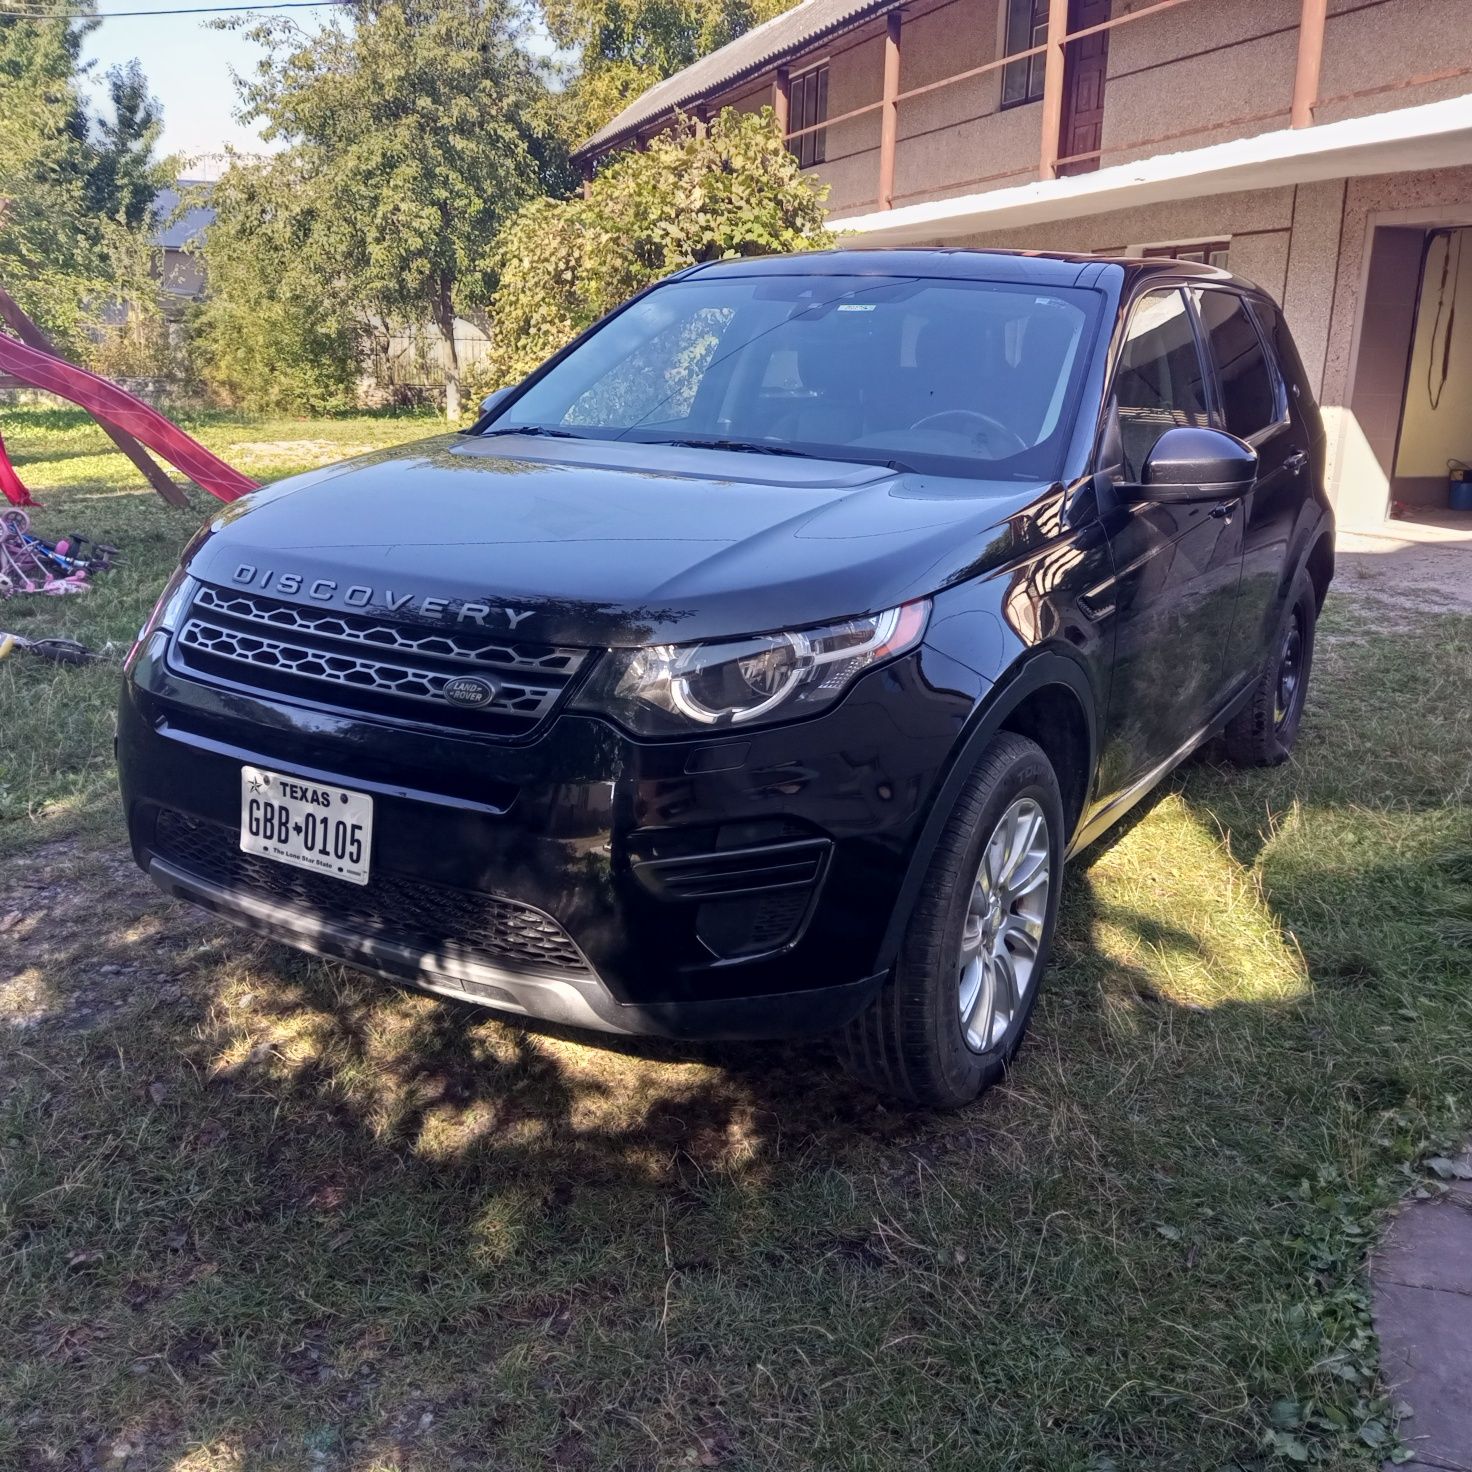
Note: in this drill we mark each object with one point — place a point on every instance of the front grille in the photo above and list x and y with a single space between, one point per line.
431 917
360 663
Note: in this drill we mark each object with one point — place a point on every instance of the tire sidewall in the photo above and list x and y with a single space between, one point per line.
965 1071
1301 600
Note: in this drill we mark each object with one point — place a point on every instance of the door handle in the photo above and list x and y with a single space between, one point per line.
1297 462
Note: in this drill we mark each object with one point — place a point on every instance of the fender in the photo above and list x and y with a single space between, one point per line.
1036 672
1306 537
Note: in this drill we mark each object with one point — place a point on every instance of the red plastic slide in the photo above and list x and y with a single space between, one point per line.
11 486
108 403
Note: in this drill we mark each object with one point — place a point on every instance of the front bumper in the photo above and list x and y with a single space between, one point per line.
735 887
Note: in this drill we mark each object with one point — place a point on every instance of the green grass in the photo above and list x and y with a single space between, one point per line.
260 1212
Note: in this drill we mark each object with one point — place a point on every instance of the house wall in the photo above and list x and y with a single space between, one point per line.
1200 73
855 72
958 138
1395 41
181 272
1343 257
1201 66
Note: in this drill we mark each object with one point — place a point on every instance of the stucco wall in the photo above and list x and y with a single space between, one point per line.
855 78
1183 77
1257 215
1356 453
1199 67
754 99
950 141
1369 46
956 139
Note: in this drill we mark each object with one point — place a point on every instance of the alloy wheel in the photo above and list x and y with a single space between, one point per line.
1003 930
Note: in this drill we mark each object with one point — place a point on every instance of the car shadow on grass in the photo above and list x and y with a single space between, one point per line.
260 1211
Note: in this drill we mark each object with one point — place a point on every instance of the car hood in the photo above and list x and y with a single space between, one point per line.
599 543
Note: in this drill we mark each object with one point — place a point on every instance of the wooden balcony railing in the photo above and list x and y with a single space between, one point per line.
1298 109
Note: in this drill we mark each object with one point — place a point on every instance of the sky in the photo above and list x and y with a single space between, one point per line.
188 66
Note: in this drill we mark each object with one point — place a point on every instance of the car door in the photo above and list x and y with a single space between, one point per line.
1252 400
1177 563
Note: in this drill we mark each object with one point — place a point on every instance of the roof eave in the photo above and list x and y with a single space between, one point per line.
597 144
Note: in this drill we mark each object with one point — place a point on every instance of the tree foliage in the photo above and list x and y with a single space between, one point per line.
626 46
272 332
124 179
732 190
411 133
74 189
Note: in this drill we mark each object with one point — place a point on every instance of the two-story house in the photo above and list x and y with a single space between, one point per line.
1322 148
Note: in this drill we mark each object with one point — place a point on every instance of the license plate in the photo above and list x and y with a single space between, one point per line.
328 830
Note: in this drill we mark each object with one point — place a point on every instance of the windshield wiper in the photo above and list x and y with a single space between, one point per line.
750 447
542 429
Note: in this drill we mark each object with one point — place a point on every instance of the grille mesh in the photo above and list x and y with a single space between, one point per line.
469 645
389 907
364 663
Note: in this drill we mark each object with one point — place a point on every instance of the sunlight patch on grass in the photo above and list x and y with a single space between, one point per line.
1175 908
217 1457
26 997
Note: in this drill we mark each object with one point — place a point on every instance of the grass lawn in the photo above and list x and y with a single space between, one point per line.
258 1211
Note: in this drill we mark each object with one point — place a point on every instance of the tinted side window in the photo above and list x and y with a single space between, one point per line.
1249 391
1290 364
1159 382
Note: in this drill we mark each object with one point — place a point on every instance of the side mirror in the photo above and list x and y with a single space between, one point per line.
1198 465
492 399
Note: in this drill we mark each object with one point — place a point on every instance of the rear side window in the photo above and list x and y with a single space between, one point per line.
1159 383
1248 387
1290 365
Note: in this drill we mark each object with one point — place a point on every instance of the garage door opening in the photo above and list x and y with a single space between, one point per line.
1433 455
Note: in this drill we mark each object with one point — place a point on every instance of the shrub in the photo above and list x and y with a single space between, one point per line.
691 196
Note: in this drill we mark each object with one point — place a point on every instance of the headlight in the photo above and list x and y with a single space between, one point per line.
172 602
669 688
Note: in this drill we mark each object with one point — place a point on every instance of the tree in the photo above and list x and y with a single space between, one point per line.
124 177
271 333
693 195
411 134
75 192
626 46
49 256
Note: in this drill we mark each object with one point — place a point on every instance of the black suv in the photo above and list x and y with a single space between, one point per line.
752 668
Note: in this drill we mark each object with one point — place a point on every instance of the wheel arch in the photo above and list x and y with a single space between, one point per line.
1319 565
1050 700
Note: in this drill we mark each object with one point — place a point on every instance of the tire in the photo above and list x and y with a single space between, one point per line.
1262 733
911 1041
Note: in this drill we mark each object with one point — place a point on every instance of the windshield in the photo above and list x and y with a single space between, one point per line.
953 377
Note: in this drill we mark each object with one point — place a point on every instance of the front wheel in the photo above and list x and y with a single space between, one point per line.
952 1013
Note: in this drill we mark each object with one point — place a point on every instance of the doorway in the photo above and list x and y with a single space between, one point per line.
1434 435
1085 70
